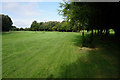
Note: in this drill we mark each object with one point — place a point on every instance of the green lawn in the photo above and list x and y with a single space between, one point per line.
57 55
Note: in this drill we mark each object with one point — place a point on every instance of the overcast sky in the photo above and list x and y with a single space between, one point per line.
24 13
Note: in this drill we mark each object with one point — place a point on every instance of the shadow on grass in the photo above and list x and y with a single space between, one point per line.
91 66
6 33
11 32
86 43
101 63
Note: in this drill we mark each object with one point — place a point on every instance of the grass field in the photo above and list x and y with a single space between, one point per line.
57 55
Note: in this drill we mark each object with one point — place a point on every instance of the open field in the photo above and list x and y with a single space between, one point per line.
28 54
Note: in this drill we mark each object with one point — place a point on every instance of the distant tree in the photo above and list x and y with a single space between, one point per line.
13 28
46 26
34 26
17 29
54 28
58 26
27 29
40 26
21 29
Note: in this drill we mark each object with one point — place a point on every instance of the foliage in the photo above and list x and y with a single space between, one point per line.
21 29
6 23
50 26
99 16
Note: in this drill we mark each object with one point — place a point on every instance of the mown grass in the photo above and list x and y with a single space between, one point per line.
28 54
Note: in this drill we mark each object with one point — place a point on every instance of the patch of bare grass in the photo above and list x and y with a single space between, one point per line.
87 48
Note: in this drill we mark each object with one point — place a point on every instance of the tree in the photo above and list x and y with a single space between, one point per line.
13 28
100 16
44 26
27 29
34 26
6 23
21 29
76 14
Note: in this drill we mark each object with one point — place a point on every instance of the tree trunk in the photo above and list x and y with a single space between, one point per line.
104 31
83 39
91 38
83 35
98 32
95 32
107 32
92 32
101 31
117 33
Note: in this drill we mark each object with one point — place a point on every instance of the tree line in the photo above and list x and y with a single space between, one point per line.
63 26
98 16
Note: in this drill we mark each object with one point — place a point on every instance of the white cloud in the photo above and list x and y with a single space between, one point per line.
28 9
25 23
10 6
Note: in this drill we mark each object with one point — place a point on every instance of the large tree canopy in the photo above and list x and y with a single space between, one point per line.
84 15
6 23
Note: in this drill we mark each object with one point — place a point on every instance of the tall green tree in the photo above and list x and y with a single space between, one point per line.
6 22
34 26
